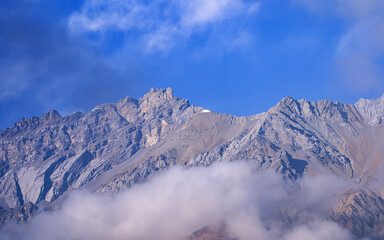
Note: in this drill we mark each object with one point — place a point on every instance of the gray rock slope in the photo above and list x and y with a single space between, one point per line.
120 144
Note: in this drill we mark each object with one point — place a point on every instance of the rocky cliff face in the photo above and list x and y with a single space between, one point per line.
119 144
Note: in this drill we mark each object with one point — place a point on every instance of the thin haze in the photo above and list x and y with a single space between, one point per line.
234 56
180 201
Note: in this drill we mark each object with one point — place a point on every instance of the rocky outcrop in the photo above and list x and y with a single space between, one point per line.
362 212
372 110
217 232
119 144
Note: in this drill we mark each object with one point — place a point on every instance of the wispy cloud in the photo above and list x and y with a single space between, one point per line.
158 24
42 67
178 202
358 53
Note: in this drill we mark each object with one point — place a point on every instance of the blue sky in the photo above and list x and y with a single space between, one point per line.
235 56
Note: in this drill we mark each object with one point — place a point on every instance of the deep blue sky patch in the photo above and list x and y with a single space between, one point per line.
235 56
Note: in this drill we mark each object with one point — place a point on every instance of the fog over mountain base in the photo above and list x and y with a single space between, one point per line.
178 202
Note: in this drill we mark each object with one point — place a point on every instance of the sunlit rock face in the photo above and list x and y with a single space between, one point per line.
117 145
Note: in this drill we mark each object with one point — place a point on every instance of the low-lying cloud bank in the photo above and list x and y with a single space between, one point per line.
179 202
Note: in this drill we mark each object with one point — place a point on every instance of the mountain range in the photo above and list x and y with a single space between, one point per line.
118 145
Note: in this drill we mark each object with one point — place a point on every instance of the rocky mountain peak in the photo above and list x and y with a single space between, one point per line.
289 106
51 115
161 103
157 103
155 98
288 100
158 94
371 109
28 124
74 117
323 109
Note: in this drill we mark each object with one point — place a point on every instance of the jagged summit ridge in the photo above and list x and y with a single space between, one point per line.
324 109
367 108
372 109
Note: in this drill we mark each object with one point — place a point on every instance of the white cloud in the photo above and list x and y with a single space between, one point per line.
178 202
162 39
318 231
199 12
100 15
159 23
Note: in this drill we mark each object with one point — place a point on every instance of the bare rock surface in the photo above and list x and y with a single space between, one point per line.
120 144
